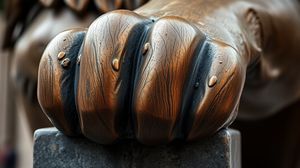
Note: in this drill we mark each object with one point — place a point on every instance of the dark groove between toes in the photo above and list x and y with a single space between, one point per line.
67 84
77 76
130 61
194 95
137 60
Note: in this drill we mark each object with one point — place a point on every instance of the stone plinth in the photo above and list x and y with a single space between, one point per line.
53 149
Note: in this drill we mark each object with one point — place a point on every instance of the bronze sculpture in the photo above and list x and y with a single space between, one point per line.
270 28
168 74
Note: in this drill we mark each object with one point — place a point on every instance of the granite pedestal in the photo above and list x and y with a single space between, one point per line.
53 149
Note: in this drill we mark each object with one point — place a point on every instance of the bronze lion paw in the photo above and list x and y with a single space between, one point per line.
160 79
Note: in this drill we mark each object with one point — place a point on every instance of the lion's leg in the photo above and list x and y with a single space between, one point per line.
270 84
169 70
165 74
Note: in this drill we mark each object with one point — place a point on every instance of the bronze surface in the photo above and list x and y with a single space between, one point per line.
164 72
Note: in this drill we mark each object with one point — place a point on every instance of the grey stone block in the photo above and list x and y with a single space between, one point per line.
53 149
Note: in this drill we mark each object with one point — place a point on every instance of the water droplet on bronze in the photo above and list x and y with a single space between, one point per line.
197 84
212 81
116 64
78 59
146 48
65 63
61 55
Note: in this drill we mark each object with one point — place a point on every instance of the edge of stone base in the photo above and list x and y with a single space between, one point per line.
53 149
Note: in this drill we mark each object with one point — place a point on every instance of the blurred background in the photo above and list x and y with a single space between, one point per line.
15 136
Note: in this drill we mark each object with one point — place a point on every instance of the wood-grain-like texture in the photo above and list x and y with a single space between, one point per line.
163 73
58 69
156 79
106 74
